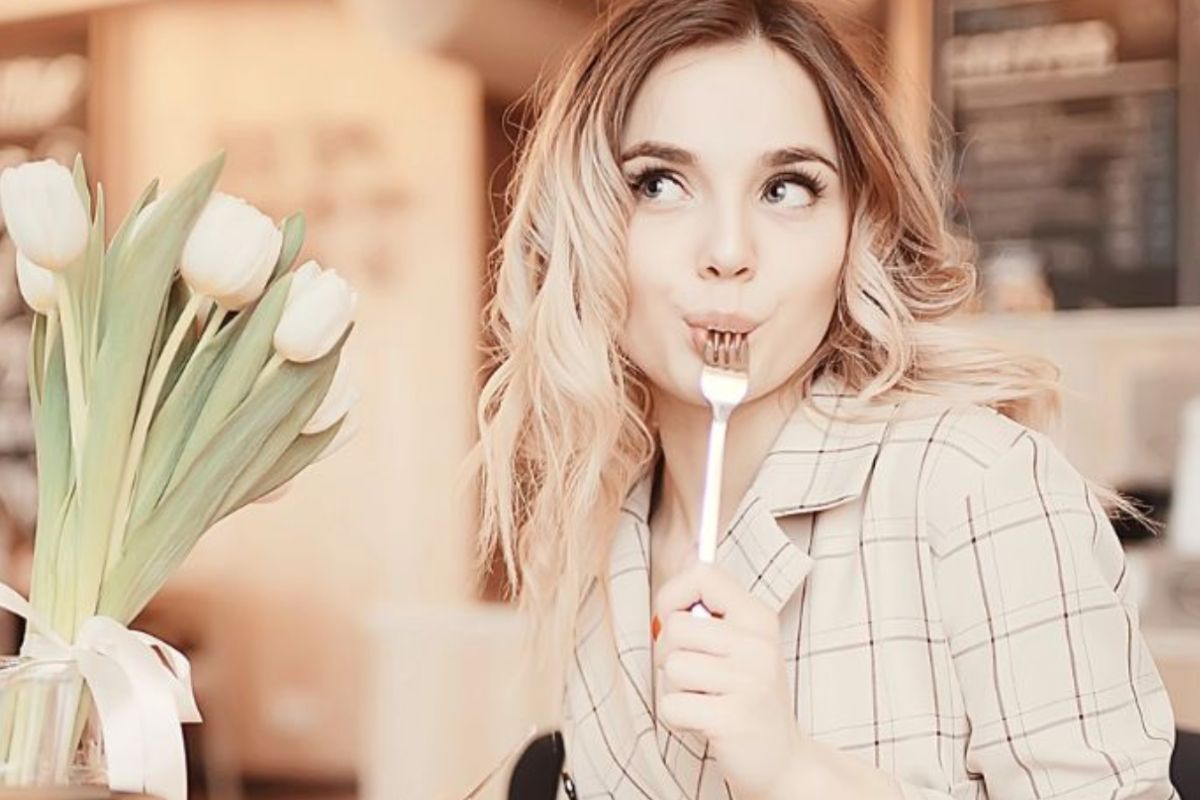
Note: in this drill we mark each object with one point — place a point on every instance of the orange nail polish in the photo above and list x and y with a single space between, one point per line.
655 627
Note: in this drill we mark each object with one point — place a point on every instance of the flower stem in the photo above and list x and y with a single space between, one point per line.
48 348
42 581
210 329
141 427
270 369
72 356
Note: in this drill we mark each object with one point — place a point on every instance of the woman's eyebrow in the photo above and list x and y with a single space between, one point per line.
774 158
792 155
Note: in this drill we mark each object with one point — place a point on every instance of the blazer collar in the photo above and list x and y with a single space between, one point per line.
815 463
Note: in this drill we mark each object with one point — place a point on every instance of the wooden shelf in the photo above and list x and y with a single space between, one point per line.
1133 77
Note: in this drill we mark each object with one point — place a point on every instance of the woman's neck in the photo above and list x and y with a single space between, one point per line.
683 435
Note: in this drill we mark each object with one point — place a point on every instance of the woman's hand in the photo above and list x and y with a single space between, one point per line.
725 678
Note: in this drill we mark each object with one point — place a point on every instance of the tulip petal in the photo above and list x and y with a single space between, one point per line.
231 252
43 213
337 402
316 315
347 431
37 285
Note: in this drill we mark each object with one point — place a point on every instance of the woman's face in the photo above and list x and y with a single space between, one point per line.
740 219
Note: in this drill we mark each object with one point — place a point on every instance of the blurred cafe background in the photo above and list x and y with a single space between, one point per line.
340 646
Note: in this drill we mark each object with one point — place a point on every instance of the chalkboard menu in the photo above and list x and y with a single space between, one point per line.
1066 141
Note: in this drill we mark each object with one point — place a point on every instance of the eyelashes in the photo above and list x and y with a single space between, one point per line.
809 180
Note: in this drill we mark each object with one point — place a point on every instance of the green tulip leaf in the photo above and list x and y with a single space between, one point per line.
172 425
35 364
302 451
238 374
141 280
52 433
177 300
81 184
293 239
114 254
91 286
157 546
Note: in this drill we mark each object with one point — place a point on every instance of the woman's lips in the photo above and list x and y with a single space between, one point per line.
721 321
699 337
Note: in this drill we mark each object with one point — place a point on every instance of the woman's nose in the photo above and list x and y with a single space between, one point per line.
731 253
718 269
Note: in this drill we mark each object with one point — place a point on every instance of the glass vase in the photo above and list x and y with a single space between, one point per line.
49 734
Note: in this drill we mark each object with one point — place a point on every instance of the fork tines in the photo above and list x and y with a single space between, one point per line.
727 350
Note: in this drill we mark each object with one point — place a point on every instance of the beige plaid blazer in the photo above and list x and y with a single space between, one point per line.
953 609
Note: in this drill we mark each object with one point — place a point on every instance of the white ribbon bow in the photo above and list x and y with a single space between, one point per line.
142 688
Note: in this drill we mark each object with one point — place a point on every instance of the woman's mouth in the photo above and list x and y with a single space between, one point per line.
700 324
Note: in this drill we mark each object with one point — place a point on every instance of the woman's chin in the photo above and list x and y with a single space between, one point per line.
681 389
681 384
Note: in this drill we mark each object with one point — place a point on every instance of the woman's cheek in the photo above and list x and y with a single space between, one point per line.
646 340
789 345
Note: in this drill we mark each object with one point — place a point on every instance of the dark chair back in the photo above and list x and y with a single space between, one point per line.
538 770
1185 764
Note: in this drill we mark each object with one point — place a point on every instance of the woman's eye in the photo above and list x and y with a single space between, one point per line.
786 191
802 193
657 186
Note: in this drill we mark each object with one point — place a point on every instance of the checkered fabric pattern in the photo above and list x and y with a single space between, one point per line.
954 610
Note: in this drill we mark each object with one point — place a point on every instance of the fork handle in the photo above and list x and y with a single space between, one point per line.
711 502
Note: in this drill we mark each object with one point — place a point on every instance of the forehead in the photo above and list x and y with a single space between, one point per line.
729 101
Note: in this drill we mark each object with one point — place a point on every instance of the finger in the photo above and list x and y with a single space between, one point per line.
692 711
683 631
699 582
689 671
720 593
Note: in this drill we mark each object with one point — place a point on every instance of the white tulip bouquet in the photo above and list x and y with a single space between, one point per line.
176 374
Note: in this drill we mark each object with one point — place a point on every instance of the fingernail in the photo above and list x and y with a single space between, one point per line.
655 627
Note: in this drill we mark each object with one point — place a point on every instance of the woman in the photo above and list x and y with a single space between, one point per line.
915 594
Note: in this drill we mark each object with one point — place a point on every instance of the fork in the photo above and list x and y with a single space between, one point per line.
723 382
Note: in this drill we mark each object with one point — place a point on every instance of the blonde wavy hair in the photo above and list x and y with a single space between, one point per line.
564 416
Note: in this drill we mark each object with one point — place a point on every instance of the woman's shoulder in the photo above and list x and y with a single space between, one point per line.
979 434
962 445
940 430
976 468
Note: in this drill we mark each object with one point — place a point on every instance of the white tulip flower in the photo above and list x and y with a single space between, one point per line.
320 304
340 397
37 285
302 276
345 433
44 214
231 252
143 215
